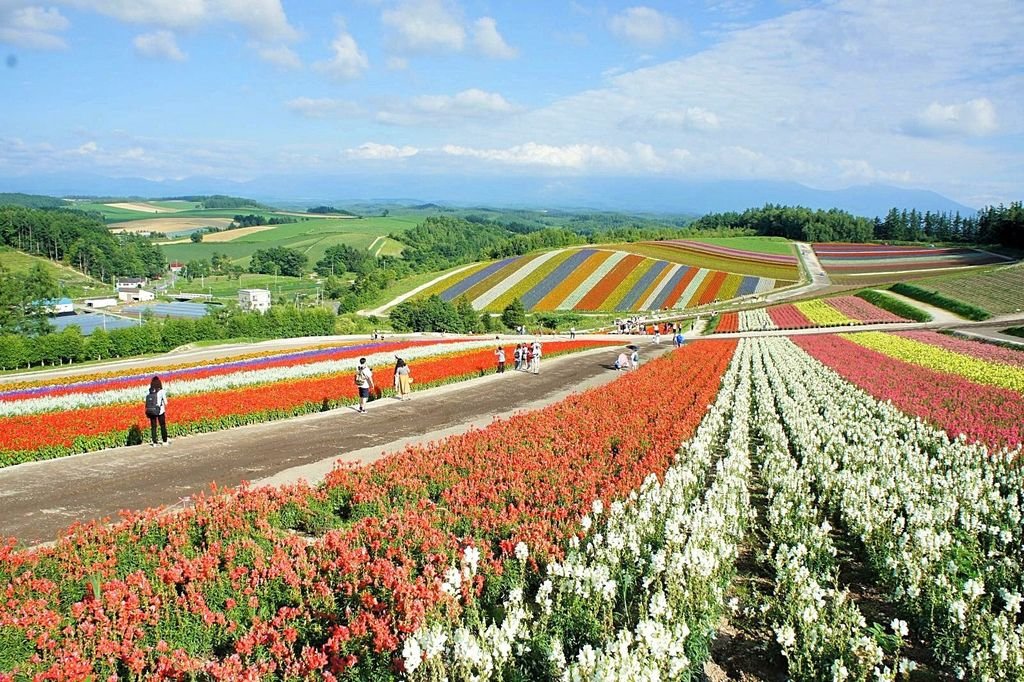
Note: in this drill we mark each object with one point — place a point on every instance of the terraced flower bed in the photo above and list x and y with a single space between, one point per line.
836 311
848 261
600 279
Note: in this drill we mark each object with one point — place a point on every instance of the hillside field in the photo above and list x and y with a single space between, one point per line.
74 284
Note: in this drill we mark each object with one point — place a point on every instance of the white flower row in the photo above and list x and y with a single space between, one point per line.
220 382
821 631
756 320
941 520
664 555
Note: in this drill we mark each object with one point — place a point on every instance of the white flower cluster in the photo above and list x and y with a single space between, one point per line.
821 632
941 520
756 320
221 382
666 555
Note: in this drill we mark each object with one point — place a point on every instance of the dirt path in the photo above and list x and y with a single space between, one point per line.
40 499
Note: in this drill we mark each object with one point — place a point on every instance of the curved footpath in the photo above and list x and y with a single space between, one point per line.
40 499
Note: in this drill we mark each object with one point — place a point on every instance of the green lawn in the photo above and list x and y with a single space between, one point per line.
771 245
226 289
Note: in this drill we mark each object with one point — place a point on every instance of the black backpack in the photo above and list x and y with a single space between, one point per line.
153 404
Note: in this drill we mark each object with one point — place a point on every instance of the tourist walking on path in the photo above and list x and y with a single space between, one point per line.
403 379
679 339
500 354
535 357
517 357
364 382
634 359
156 410
572 333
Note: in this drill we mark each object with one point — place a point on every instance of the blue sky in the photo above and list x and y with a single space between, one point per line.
922 93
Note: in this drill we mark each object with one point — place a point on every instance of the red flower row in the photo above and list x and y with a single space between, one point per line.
221 591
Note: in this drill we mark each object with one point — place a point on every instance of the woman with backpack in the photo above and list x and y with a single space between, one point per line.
156 410
364 382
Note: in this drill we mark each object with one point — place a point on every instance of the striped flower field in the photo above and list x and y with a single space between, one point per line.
837 311
872 259
599 279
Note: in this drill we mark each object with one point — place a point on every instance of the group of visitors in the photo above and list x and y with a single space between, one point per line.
626 362
525 357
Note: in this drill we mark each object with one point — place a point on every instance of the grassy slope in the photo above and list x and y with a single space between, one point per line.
76 285
771 245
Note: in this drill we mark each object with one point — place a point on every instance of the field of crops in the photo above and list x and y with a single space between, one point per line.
846 262
772 260
594 280
836 311
585 541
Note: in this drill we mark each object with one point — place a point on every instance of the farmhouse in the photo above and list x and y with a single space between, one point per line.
129 282
176 266
254 299
134 294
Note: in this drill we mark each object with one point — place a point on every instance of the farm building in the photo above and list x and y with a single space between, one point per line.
132 294
176 266
254 299
58 306
127 282
100 302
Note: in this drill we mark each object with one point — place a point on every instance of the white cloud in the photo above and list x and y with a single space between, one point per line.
424 27
572 156
158 45
88 149
468 104
322 108
976 118
644 27
397 63
281 56
375 151
264 19
861 171
33 27
348 62
489 42
690 118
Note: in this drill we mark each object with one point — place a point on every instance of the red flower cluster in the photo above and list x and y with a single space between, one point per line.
296 583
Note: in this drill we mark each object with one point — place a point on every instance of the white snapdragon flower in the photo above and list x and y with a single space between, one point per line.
412 655
522 551
900 627
597 507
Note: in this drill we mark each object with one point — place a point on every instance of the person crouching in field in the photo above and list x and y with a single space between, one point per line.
156 410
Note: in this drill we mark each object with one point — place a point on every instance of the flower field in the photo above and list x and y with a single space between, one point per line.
719 257
598 279
836 311
39 420
869 259
604 551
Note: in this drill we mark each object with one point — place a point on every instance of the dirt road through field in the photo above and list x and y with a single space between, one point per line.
42 498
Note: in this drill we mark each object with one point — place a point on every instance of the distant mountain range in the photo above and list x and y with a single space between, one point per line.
645 195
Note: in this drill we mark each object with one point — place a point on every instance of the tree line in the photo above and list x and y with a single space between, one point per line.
253 220
1003 225
158 336
81 241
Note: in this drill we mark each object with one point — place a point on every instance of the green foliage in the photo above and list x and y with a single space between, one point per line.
558 320
894 306
993 225
30 200
514 314
218 201
792 222
344 258
330 210
1015 331
430 314
278 260
22 297
971 312
253 220
196 237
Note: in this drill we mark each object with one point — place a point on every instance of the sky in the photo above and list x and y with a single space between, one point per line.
913 93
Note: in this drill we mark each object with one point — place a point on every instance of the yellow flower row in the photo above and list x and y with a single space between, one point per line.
942 359
822 314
